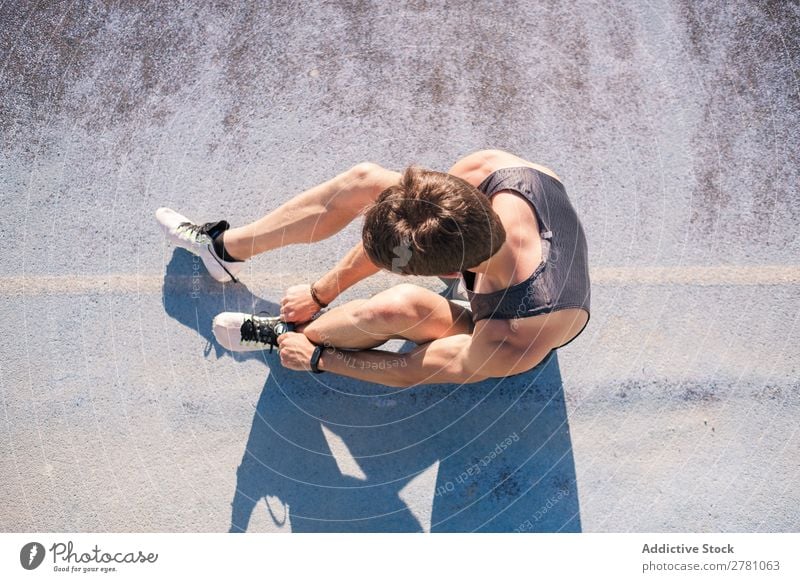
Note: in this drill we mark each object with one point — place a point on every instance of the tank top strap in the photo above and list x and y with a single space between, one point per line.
527 182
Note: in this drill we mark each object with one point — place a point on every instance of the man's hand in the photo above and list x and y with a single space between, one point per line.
295 351
298 306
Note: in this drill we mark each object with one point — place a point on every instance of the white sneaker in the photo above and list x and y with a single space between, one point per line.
196 238
245 332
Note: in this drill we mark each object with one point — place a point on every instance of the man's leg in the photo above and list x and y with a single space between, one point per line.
312 215
403 312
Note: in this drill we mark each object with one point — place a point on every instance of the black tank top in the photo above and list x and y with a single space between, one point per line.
561 280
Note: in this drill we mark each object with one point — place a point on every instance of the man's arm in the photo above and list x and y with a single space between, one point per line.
459 359
354 267
474 167
299 306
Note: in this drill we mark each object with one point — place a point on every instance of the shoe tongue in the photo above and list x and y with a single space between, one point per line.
214 229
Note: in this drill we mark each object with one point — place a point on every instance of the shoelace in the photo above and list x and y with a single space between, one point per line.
261 330
193 231
200 232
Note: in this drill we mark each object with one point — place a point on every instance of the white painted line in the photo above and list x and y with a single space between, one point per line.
698 275
18 286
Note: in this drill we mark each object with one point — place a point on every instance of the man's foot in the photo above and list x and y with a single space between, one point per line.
245 332
198 239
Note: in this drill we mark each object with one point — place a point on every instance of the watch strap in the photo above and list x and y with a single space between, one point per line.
316 298
315 360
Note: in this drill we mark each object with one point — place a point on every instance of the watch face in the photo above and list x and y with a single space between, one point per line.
280 328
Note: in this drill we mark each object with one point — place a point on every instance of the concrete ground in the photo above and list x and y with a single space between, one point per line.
674 126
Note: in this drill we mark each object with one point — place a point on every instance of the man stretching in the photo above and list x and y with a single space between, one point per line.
503 228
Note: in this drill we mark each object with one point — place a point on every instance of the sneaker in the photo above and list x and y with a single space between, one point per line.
197 239
244 332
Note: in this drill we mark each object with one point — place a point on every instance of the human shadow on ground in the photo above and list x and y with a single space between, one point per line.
327 453
193 298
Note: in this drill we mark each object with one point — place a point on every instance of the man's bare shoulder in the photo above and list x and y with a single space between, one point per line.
475 167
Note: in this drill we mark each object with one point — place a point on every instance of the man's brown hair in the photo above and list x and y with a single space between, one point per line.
431 223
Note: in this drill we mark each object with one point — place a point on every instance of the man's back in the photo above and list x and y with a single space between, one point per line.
557 315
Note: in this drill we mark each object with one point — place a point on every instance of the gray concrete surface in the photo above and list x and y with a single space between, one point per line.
674 126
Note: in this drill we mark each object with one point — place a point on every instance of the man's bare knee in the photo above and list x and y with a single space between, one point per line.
365 181
314 334
315 330
391 310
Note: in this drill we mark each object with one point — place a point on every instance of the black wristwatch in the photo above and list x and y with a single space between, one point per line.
315 360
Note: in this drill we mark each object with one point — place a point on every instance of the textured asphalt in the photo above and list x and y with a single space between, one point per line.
674 126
